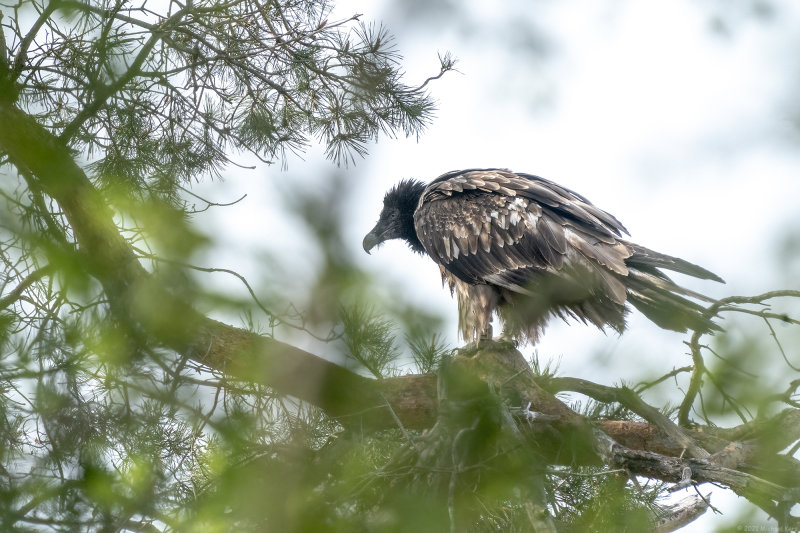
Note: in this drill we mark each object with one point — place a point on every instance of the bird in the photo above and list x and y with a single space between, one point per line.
526 249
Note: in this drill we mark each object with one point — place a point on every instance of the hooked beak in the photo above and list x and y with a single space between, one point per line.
371 241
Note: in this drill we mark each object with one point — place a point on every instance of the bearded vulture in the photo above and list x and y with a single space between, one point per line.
528 249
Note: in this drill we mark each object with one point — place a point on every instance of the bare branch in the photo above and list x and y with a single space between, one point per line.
632 401
29 280
675 516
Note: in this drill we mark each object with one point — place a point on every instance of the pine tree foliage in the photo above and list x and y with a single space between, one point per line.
159 93
369 340
123 408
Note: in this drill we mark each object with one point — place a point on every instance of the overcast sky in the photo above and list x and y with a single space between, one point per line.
677 117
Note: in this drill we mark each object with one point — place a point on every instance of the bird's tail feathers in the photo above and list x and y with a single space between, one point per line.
666 303
643 257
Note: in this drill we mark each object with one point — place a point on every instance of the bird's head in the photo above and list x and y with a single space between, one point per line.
397 217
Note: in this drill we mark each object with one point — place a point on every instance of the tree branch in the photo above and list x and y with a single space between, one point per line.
677 515
629 399
731 303
104 92
29 280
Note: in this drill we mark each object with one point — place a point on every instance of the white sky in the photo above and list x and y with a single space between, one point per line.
684 134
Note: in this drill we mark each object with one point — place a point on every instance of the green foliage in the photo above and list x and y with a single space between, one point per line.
369 339
428 353
102 428
597 500
159 93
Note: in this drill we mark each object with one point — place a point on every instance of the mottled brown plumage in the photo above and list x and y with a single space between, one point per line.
530 249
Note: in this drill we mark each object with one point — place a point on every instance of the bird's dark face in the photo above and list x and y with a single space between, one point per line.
397 217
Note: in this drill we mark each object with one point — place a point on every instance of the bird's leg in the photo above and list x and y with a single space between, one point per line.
507 337
486 334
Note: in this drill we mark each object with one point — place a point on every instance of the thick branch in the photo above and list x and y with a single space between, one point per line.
684 471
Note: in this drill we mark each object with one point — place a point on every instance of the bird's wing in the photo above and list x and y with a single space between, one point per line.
497 227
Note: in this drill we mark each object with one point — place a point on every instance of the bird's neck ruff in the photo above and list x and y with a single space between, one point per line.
404 197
